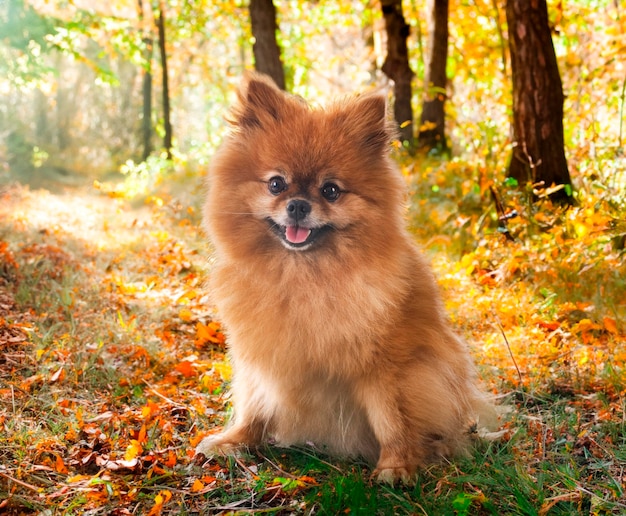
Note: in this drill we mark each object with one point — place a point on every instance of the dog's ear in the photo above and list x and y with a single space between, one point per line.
366 118
260 102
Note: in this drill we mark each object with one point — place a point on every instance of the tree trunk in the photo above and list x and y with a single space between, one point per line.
432 122
396 67
42 128
146 121
265 48
167 125
538 148
65 106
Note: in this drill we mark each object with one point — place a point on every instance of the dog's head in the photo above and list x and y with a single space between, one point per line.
302 179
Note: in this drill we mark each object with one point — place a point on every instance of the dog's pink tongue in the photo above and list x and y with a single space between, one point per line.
297 234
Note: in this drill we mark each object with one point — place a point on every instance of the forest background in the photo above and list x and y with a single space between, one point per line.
111 364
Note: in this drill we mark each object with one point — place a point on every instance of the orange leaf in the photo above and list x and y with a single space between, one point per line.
162 498
59 465
610 325
158 506
149 409
185 368
549 325
308 480
142 438
197 486
194 440
71 434
170 462
209 333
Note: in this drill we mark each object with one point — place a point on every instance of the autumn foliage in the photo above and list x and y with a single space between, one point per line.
113 365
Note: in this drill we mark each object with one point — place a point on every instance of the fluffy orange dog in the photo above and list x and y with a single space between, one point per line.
336 329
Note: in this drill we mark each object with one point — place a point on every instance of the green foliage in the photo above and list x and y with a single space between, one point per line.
142 178
24 38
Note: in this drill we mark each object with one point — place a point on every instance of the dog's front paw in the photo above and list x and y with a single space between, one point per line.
218 444
406 475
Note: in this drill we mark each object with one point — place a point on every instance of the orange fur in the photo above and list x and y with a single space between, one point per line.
341 341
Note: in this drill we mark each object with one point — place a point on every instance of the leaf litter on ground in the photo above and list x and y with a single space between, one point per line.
113 366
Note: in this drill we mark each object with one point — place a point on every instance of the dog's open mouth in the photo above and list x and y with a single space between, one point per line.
297 237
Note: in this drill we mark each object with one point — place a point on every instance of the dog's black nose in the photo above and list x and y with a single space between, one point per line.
298 209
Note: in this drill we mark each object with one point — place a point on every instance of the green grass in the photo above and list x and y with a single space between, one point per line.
106 315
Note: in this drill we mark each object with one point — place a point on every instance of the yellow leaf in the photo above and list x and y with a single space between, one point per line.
161 236
133 450
77 478
187 296
582 360
224 370
153 199
185 314
207 381
581 229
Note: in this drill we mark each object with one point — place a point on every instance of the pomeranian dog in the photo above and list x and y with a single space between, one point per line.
336 330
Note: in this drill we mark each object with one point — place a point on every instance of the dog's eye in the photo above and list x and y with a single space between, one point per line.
276 185
330 192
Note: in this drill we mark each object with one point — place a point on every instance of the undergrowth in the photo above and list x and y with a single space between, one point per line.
112 367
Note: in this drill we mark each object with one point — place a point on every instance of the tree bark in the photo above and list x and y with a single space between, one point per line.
432 122
65 108
265 48
146 88
396 67
146 121
538 149
167 125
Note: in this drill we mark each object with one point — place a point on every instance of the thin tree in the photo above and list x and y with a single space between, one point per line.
396 67
538 153
146 89
432 122
167 125
265 48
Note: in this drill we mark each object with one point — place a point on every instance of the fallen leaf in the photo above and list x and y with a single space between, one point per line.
610 325
186 369
133 450
115 465
59 375
197 486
